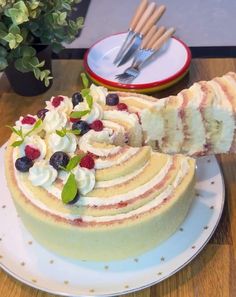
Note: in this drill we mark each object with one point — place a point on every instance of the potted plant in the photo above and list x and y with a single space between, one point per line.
29 30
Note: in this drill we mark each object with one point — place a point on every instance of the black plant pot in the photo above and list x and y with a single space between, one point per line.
26 84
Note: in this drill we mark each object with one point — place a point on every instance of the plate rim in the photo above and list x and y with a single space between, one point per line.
136 86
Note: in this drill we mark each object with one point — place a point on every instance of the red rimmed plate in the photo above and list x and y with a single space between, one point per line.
170 65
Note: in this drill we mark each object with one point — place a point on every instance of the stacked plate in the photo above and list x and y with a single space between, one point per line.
169 65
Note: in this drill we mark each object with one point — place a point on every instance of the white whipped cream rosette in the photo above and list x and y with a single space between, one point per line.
34 141
65 105
96 113
85 179
42 174
99 143
54 120
26 127
98 93
67 143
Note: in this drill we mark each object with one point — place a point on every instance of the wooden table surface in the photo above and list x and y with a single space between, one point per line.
213 272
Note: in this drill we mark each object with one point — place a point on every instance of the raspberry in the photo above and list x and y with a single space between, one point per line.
87 162
97 125
28 120
31 152
74 120
56 101
122 106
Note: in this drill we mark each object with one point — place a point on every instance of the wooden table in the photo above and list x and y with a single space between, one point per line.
213 272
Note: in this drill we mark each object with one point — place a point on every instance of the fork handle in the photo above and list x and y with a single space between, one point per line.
147 38
148 12
159 43
160 31
153 19
138 13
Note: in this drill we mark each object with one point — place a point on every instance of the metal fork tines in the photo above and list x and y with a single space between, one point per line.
151 44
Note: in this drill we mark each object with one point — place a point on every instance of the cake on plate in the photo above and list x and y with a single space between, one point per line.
86 180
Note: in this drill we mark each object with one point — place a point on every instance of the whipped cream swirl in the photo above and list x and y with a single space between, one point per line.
85 179
98 93
42 174
67 143
65 105
36 142
27 127
88 142
96 112
54 120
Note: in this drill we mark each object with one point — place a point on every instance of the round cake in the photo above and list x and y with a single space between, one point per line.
86 183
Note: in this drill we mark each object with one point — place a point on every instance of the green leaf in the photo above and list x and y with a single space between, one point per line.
75 132
3 52
27 51
85 92
70 189
74 162
14 130
61 133
17 143
36 125
79 114
3 63
37 73
14 29
85 80
89 100
20 66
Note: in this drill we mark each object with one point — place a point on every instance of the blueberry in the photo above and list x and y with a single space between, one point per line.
112 99
23 164
75 199
59 159
82 126
41 113
77 98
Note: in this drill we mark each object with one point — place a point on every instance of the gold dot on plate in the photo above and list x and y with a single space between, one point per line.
126 286
162 259
181 229
4 206
34 280
22 263
193 247
1 256
91 291
106 267
136 260
212 182
212 207
206 227
209 161
30 242
159 273
51 261
66 282
197 195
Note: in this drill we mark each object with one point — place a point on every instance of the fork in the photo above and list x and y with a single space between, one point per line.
150 45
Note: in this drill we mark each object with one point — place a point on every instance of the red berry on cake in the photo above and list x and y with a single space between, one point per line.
122 106
74 120
28 120
32 153
87 162
97 125
56 101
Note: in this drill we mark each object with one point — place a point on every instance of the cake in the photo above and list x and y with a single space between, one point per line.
106 176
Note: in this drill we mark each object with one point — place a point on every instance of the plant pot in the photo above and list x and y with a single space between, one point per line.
26 84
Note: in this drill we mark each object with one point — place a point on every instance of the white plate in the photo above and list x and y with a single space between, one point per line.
27 261
171 62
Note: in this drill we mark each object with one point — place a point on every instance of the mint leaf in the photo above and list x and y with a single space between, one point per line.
70 189
85 80
61 133
14 130
17 143
36 125
89 100
75 132
85 92
74 162
79 114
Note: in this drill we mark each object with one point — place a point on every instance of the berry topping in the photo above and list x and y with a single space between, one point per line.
112 99
56 101
28 120
23 164
97 125
87 162
73 120
139 119
41 113
75 199
82 126
58 160
31 152
77 98
122 106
